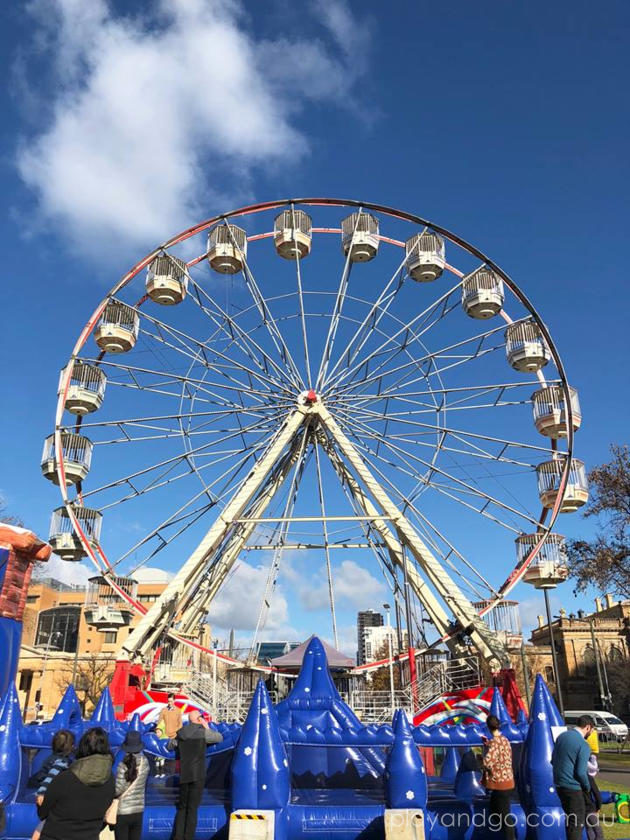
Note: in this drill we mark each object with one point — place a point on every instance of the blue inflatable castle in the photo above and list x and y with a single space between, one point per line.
304 767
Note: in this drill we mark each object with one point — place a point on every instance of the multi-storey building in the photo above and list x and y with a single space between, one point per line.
365 619
72 634
376 644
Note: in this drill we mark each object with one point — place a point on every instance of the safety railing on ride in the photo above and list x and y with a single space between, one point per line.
214 695
444 676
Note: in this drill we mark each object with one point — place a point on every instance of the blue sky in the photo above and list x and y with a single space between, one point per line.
505 122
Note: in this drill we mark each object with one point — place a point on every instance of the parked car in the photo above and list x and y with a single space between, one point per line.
609 727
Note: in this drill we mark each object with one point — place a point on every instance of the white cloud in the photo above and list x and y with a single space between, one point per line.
73 574
157 120
150 574
531 608
354 586
238 603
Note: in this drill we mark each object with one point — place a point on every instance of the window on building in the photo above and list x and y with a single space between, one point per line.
589 657
615 654
26 678
30 599
109 637
549 674
58 629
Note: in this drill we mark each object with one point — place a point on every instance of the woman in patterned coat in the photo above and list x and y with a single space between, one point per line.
498 778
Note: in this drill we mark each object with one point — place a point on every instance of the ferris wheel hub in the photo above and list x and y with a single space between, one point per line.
308 397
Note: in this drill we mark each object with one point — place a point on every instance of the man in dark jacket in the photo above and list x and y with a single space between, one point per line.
191 742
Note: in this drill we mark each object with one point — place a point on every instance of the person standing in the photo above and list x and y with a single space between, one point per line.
60 759
131 780
76 800
191 742
570 760
170 719
498 778
168 725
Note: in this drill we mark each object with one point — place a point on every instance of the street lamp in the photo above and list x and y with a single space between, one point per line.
392 701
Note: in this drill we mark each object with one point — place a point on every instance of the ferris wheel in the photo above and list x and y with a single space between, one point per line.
316 376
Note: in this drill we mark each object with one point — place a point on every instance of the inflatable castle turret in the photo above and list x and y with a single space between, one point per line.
19 551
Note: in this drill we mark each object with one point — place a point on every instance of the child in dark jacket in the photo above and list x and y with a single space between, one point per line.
60 759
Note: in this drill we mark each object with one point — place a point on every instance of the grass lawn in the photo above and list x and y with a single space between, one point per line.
614 831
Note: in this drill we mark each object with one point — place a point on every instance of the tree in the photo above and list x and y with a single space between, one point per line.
5 517
604 561
93 675
380 677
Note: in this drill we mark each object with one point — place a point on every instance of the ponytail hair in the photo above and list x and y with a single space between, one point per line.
131 764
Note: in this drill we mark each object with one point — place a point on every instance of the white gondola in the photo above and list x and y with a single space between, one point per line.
63 540
117 329
549 476
359 237
550 415
482 293
77 457
227 248
292 234
86 388
549 567
167 280
104 608
525 347
425 256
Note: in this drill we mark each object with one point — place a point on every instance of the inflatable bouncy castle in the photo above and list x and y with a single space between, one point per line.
306 765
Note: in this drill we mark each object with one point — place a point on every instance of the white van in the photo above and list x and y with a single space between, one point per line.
609 727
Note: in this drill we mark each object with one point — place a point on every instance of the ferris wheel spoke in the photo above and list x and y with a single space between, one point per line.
203 385
370 322
402 419
486 388
197 352
419 320
268 319
248 345
409 508
216 455
433 468
406 502
446 558
479 340
146 422
336 316
322 507
215 500
274 568
298 277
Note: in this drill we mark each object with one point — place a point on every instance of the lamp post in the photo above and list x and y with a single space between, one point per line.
392 701
215 645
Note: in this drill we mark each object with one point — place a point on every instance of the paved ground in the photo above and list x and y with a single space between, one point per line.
620 775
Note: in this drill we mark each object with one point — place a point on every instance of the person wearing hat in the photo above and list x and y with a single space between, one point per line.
131 780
